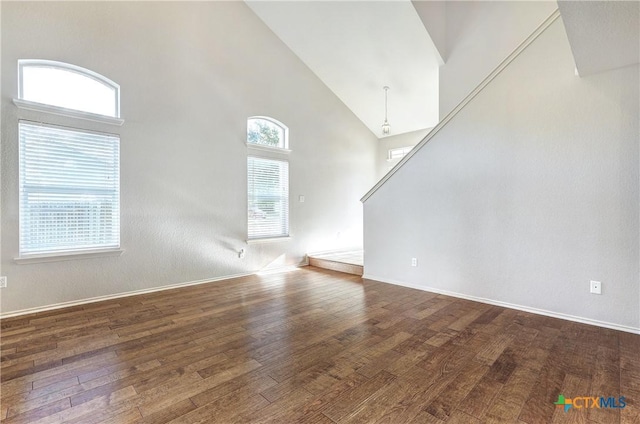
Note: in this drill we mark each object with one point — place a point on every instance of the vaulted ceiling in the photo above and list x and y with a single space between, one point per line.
358 47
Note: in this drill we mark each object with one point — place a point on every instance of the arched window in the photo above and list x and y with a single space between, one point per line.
68 86
268 132
69 176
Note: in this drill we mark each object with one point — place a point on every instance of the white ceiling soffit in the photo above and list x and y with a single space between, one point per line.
604 35
433 16
356 48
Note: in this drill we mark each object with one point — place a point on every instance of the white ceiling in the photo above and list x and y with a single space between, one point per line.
604 35
356 48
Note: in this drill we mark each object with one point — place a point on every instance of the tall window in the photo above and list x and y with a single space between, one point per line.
268 198
69 178
267 132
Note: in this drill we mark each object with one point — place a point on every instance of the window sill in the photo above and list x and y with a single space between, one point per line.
267 148
67 256
268 240
56 110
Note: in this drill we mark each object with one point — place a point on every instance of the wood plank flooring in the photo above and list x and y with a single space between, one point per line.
309 346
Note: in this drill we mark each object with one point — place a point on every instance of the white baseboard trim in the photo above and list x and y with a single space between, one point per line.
115 296
61 305
523 308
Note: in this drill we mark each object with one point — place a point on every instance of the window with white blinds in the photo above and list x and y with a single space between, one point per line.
268 198
69 189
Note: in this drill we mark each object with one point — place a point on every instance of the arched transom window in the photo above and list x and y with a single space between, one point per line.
68 86
267 132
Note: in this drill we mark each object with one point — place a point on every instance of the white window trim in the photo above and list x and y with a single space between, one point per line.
62 111
268 239
263 148
67 256
285 130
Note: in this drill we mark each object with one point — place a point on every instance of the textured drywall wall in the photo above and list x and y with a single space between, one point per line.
480 35
433 15
190 73
525 196
604 35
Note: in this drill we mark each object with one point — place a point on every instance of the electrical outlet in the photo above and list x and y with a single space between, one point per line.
241 254
414 261
596 287
301 198
3 282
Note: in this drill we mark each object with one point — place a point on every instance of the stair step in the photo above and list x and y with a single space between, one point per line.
336 265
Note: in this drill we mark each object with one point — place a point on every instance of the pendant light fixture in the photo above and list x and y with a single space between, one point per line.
386 128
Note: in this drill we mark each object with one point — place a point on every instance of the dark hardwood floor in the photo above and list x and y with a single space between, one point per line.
309 346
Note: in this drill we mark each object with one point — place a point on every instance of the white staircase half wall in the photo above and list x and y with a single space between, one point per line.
524 193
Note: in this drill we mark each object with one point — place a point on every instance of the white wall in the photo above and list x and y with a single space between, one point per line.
479 35
191 73
395 141
433 15
525 196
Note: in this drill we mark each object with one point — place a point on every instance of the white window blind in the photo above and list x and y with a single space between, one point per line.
268 200
69 189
